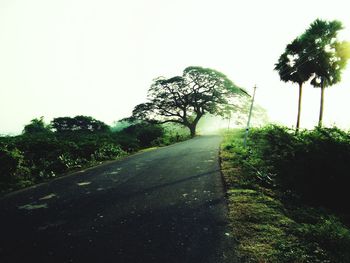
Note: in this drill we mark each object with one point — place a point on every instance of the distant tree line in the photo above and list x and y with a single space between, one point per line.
44 151
66 124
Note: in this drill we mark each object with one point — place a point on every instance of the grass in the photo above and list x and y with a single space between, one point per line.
266 226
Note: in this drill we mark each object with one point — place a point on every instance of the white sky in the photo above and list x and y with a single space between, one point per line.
98 58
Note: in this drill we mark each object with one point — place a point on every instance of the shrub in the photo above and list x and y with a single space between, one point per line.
145 133
39 153
13 170
39 156
11 164
328 234
108 152
313 164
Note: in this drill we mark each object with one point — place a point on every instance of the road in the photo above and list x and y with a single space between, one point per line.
164 205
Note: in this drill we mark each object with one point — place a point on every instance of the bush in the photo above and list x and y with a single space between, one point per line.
12 164
313 164
173 133
40 154
328 234
14 173
33 157
108 152
145 133
269 218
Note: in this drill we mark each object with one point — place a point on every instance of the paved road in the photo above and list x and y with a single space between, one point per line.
165 205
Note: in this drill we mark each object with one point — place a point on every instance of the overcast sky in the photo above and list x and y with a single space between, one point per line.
98 58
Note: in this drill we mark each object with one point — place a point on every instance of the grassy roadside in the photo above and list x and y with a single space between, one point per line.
267 226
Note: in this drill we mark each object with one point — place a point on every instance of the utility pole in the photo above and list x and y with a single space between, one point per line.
249 117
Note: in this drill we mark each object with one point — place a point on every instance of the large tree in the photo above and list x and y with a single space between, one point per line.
185 99
294 66
327 54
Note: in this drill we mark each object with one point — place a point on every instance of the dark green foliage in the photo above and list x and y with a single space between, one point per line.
145 133
276 188
312 164
327 62
43 157
78 124
32 158
292 64
12 164
327 233
127 143
40 154
107 151
36 126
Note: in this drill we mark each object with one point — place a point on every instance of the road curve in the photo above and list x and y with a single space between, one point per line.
164 205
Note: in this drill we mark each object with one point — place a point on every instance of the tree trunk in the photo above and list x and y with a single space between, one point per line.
192 126
320 119
299 106
192 130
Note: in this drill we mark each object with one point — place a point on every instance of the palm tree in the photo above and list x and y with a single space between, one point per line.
328 56
293 65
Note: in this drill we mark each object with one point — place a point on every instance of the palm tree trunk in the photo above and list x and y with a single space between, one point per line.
299 106
320 119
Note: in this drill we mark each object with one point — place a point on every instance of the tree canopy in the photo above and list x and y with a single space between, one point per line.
78 124
36 126
293 67
328 55
185 99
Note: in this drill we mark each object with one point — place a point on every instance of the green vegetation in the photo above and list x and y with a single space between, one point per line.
46 151
288 190
186 99
78 124
317 55
287 194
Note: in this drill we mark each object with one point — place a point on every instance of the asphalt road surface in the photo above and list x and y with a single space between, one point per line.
165 205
